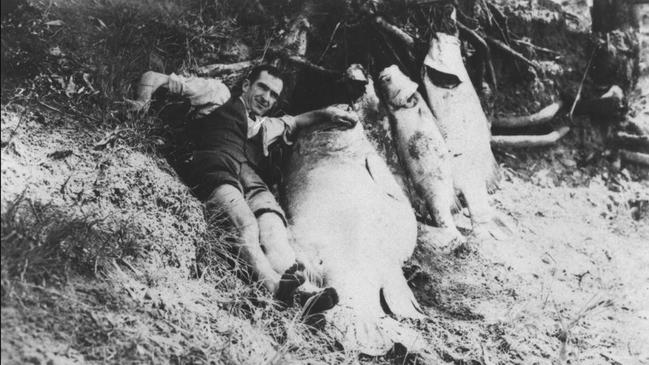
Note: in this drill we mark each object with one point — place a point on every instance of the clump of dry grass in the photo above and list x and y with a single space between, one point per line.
43 245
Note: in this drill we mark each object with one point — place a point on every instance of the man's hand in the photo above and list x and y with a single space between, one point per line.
175 84
149 83
333 115
342 117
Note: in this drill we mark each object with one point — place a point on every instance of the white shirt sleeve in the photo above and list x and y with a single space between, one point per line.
276 128
205 94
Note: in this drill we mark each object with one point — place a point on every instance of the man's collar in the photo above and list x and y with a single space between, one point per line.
250 114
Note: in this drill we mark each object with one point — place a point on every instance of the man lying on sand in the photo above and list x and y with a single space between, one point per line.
232 168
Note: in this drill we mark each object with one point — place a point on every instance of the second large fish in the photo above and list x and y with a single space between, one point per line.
462 122
421 149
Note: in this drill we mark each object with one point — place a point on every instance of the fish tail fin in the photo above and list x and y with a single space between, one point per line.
370 334
399 298
493 177
404 335
457 204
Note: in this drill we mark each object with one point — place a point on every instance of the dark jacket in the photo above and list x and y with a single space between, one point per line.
221 144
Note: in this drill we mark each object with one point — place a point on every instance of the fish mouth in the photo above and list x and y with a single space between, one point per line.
399 91
401 101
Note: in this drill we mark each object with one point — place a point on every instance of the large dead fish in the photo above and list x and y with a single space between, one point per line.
353 228
460 118
421 149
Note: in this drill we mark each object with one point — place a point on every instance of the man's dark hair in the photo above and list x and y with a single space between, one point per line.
257 70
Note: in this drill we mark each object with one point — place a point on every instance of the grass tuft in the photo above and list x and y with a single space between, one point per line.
42 245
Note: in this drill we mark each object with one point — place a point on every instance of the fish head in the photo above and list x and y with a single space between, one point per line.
399 92
356 72
360 89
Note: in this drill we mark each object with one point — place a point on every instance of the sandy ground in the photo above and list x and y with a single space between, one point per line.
569 286
571 283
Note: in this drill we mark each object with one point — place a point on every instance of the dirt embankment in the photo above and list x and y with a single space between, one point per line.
100 237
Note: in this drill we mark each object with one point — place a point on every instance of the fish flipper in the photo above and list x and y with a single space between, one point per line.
357 331
404 335
399 298
497 228
380 173
372 335
493 177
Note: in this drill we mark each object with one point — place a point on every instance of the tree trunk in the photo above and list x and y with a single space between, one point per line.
616 60
608 15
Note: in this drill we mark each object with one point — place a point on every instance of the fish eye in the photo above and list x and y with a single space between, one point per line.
411 101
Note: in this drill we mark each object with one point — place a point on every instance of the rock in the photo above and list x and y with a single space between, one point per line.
53 359
639 208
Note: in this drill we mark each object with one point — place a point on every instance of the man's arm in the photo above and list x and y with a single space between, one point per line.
287 126
204 94
332 115
149 83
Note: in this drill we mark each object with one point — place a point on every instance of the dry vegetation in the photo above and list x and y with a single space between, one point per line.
107 257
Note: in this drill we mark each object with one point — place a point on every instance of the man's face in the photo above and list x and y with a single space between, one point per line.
263 93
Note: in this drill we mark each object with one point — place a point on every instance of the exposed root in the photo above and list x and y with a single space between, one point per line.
222 68
395 54
301 61
482 47
581 84
520 141
629 140
542 116
535 47
635 157
421 2
507 49
331 41
499 18
404 37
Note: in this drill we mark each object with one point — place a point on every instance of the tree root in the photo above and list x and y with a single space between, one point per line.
331 41
520 141
421 2
542 116
397 32
581 84
394 52
635 157
499 18
507 49
223 68
481 45
631 140
230 68
301 61
538 48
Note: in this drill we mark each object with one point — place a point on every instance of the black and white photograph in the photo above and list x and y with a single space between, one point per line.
325 182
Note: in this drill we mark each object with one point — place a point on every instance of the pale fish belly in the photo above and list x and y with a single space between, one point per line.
336 202
424 153
458 112
353 230
464 126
